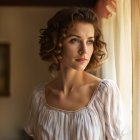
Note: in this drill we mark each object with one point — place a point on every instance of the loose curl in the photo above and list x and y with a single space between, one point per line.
57 26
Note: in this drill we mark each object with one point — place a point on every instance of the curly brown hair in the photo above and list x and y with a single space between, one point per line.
57 26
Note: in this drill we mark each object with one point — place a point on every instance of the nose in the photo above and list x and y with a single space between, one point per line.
83 48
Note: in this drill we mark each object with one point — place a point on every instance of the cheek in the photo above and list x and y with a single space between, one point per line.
69 52
91 50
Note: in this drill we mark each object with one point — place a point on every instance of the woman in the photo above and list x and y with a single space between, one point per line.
75 105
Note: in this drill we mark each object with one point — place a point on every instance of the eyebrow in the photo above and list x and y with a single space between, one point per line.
71 35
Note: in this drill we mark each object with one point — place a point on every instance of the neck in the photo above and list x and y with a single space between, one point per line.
69 79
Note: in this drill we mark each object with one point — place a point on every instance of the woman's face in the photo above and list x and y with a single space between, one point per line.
78 46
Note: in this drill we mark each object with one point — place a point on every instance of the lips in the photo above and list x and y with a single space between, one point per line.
81 59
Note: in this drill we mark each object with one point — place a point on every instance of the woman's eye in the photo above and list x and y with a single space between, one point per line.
75 40
90 41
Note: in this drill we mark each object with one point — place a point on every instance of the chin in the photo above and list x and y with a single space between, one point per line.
80 68
77 67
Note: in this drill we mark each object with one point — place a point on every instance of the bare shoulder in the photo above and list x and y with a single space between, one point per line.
91 79
51 87
50 84
91 83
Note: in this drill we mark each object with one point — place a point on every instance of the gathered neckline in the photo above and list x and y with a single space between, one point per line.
77 110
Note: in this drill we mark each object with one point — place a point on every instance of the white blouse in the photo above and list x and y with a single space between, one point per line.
101 119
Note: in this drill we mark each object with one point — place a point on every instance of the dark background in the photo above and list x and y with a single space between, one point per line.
88 3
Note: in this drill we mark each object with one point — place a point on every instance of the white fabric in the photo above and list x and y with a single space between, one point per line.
101 119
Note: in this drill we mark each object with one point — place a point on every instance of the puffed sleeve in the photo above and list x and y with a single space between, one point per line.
32 114
114 113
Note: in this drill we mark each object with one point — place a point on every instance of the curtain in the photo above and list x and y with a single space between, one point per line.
118 66
136 67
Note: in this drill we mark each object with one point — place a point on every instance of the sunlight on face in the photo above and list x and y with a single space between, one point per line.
78 46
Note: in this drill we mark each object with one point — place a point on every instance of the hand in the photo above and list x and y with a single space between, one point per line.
105 8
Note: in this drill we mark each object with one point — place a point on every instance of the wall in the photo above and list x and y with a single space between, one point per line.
20 26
